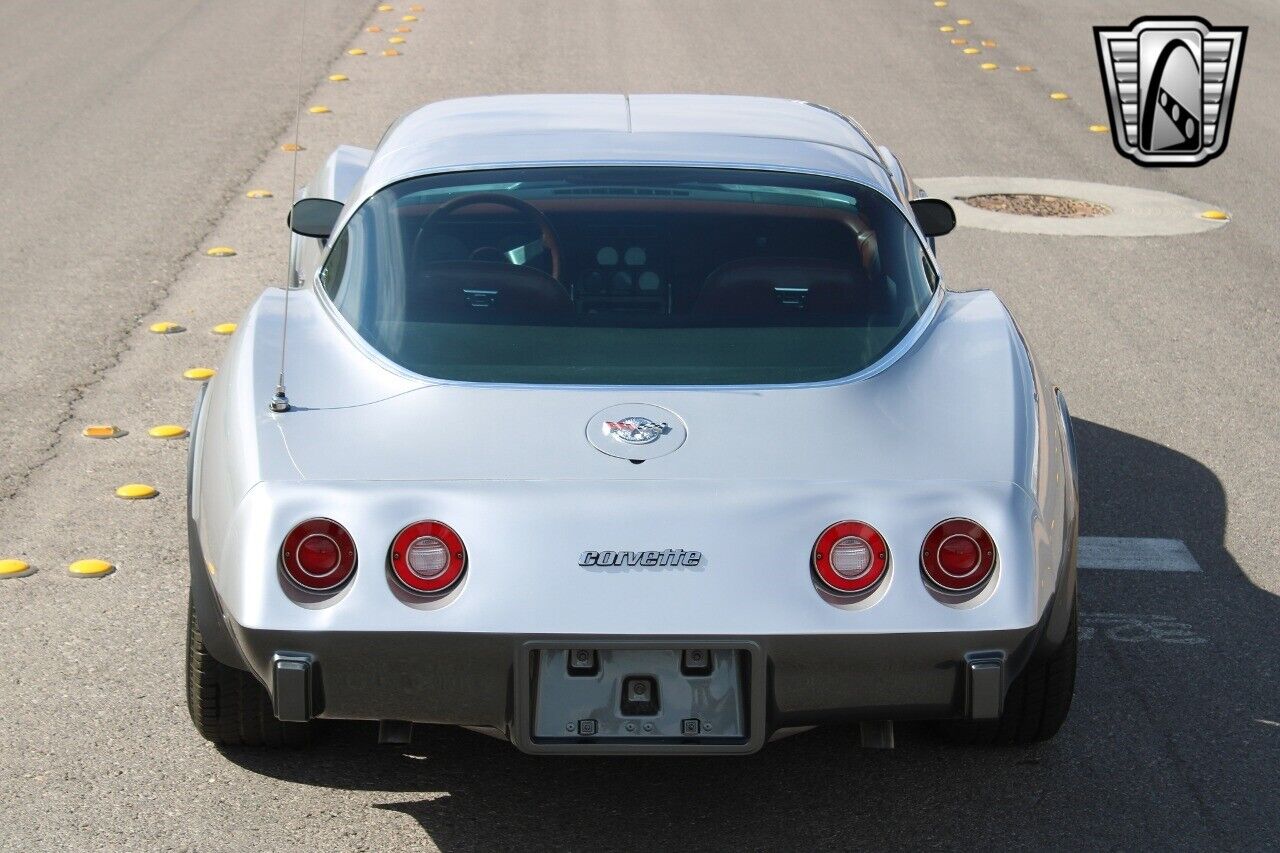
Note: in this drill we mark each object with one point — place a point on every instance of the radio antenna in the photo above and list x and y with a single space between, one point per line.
280 400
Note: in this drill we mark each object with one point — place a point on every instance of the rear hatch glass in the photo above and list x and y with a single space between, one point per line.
629 276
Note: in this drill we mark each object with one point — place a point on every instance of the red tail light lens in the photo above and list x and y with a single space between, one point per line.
318 555
850 557
958 555
428 557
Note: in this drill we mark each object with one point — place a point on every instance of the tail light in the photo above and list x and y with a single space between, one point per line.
428 557
850 557
958 555
318 555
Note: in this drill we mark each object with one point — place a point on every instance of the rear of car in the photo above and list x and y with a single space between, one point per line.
636 458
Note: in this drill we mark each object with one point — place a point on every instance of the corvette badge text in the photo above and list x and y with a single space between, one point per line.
622 561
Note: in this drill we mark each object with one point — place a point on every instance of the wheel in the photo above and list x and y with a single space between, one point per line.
1037 702
228 706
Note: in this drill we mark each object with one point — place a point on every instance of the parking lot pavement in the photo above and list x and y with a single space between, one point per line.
1166 348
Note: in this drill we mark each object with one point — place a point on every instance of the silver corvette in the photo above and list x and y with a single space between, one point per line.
628 424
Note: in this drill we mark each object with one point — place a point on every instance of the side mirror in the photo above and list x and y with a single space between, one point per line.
314 217
934 215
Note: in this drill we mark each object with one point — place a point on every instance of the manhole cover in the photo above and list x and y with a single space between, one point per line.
1035 204
1069 208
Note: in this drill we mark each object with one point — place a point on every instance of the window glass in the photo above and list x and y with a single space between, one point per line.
629 276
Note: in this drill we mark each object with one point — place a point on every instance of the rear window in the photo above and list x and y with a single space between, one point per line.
629 276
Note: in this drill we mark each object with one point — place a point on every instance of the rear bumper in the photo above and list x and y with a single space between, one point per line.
486 680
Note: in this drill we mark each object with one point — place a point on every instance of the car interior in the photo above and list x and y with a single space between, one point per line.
495 258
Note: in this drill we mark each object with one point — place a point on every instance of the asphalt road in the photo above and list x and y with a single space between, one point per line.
133 130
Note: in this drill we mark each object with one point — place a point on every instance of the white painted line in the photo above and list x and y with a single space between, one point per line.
1135 555
1138 628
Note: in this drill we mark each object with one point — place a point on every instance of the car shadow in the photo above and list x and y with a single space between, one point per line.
1172 741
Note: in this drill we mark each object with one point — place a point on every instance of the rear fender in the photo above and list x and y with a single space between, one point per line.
213 627
1065 595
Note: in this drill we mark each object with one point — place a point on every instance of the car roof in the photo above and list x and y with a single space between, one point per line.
703 130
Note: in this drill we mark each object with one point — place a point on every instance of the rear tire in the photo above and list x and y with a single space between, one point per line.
1037 702
228 706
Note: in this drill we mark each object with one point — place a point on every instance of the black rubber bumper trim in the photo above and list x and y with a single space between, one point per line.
470 679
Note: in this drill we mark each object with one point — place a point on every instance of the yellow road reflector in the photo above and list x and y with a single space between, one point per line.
259 194
166 328
337 78
373 29
91 568
959 42
13 568
1059 96
989 66
102 431
946 28
386 7
988 43
220 252
963 22
1099 128
356 51
167 431
971 50
409 19
318 110
391 51
1217 215
290 147
224 329
941 4
136 492
396 40
403 30
199 373
1023 68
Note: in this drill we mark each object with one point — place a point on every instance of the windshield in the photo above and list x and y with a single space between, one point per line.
629 276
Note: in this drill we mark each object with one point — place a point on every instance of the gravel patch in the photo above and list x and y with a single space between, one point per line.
1036 204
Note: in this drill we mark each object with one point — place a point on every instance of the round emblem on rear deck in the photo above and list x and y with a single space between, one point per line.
636 431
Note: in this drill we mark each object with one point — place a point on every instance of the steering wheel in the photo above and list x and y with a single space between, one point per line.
548 234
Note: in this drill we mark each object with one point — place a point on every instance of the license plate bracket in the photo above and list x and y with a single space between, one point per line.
565 707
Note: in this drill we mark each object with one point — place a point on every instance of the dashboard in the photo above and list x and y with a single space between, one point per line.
634 264
621 275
